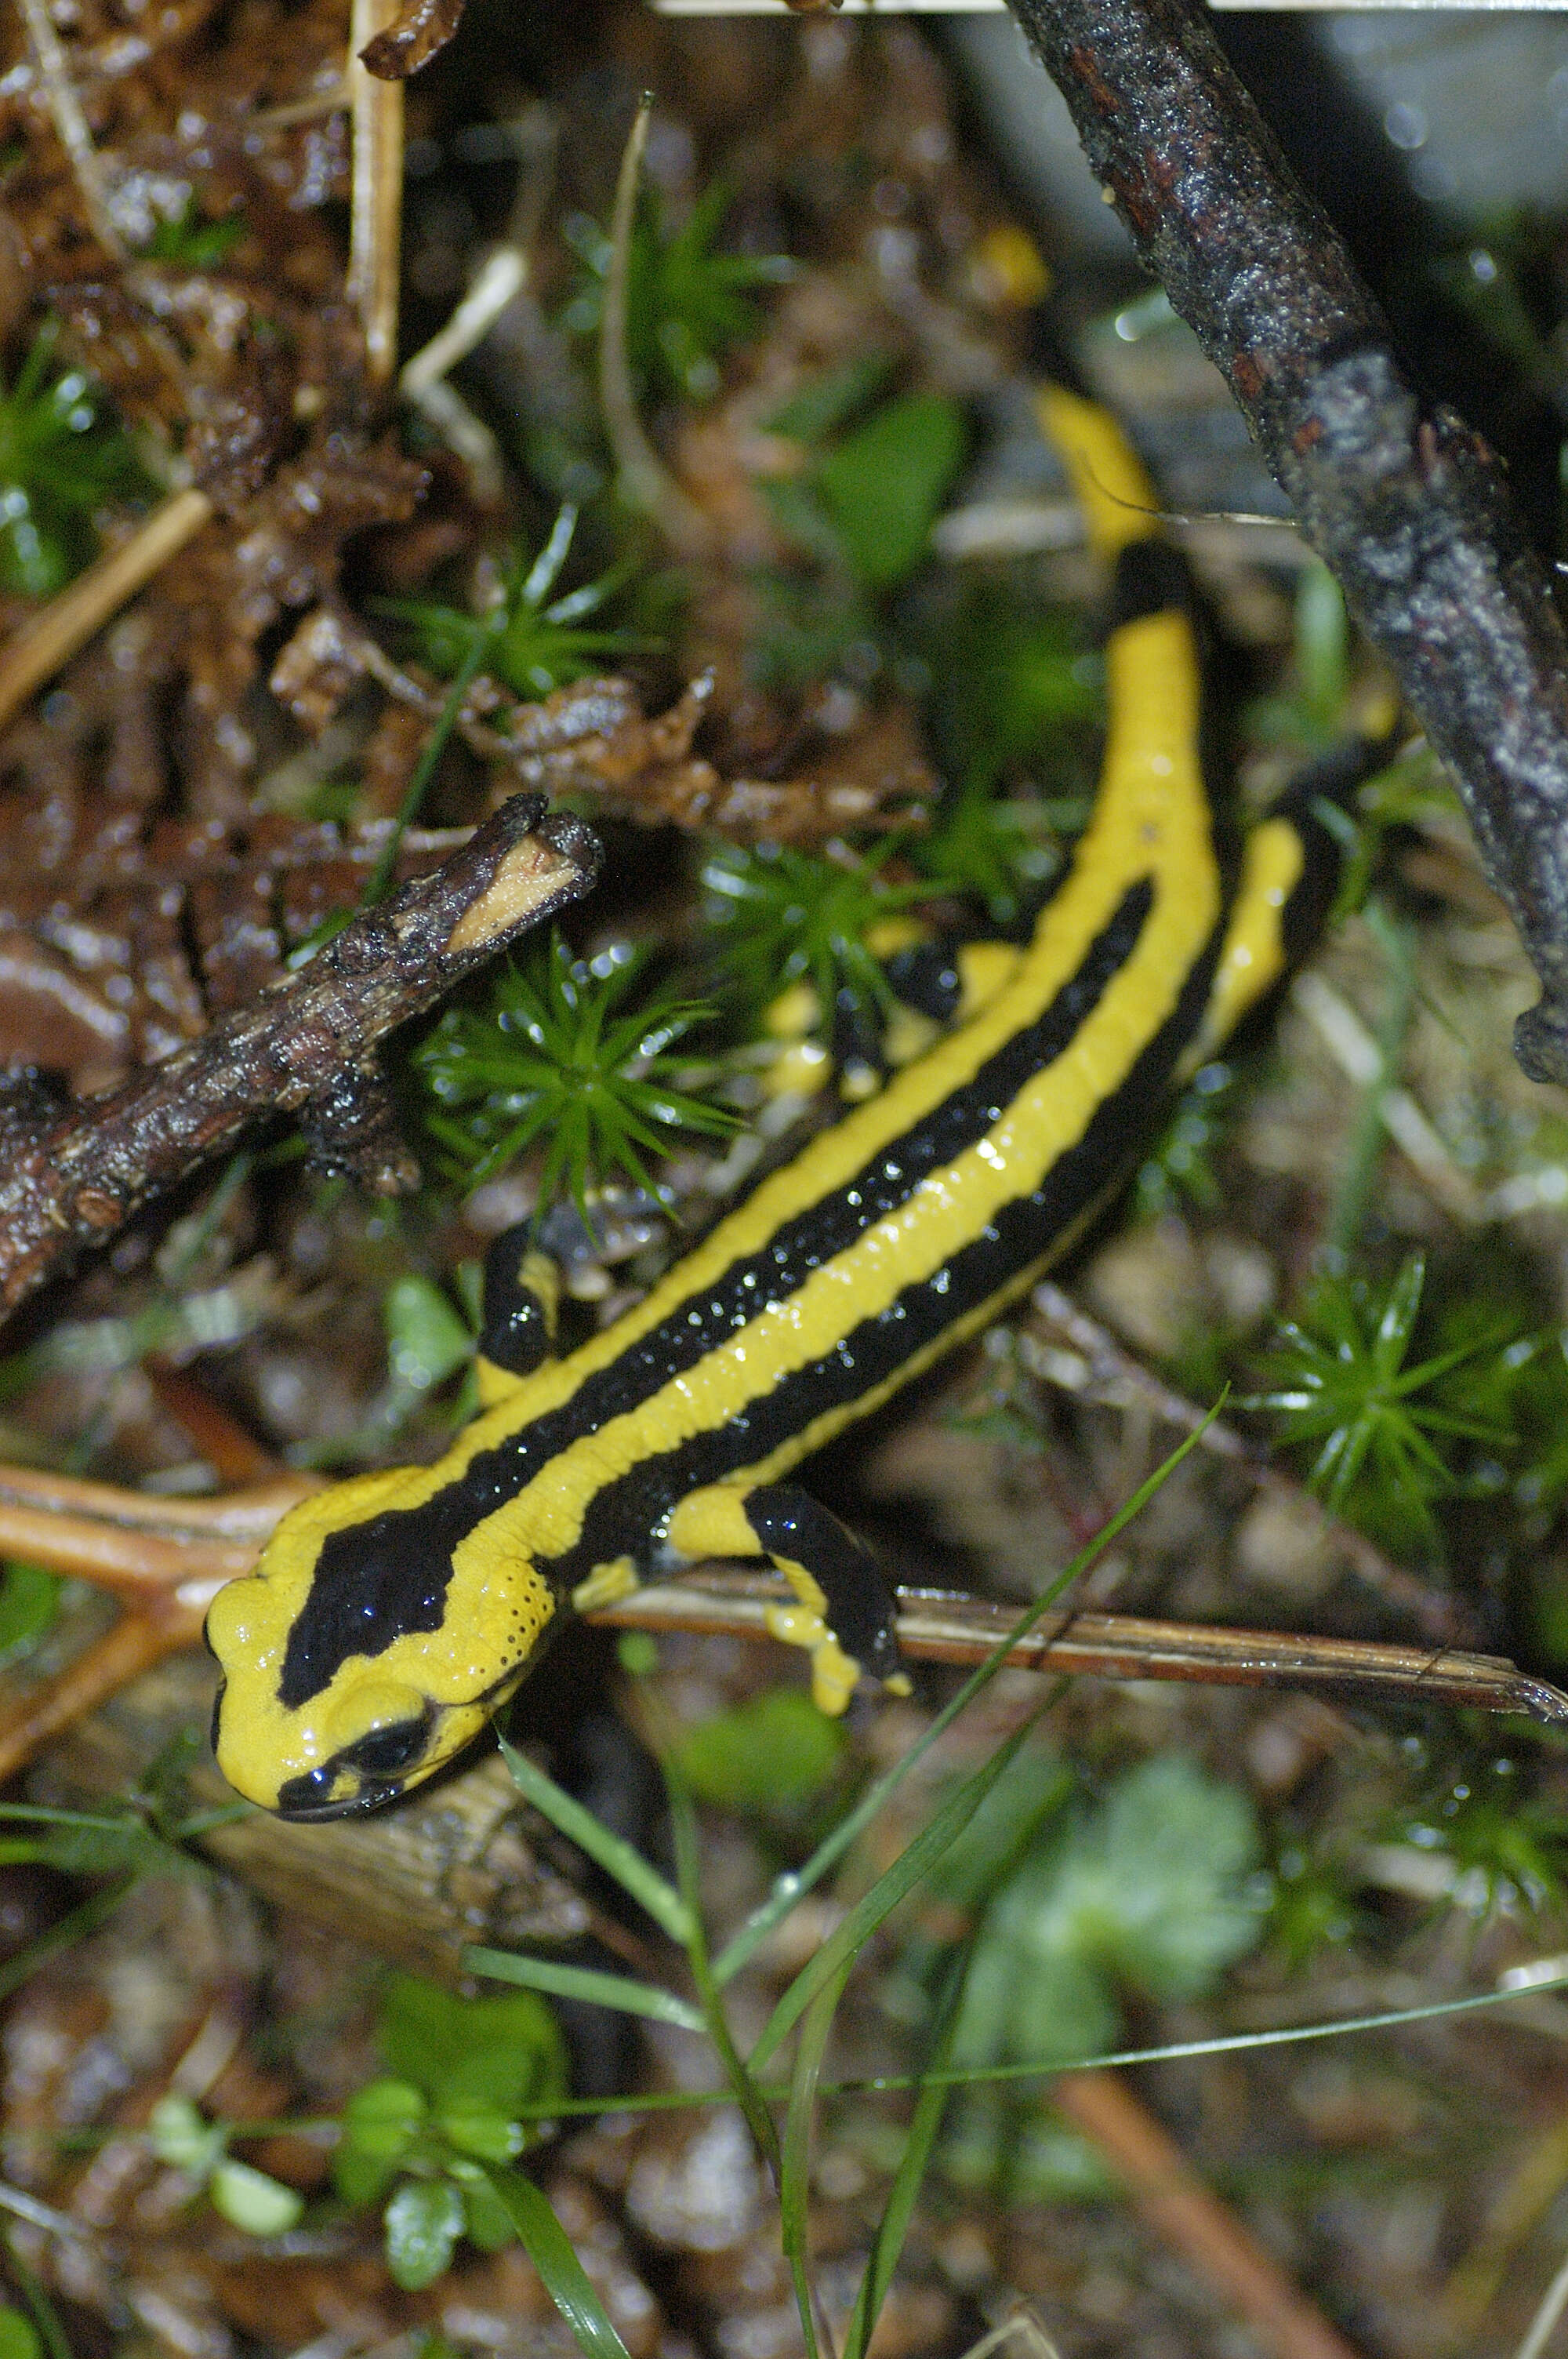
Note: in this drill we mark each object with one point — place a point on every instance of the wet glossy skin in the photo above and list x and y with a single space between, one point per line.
388 1617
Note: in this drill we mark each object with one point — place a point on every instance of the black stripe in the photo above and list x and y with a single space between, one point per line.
1022 1234
1331 779
1151 578
376 1580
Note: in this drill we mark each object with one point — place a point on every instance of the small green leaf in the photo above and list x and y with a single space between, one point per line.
192 242
472 2055
772 1752
29 1598
1322 650
19 2335
686 302
531 642
426 1338
829 401
781 917
548 2246
381 2122
424 2220
62 460
489 2221
1340 1383
261 2205
488 2137
884 483
1156 1891
180 2136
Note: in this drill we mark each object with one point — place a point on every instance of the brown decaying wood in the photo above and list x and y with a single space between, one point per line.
1409 507
1191 2219
411 38
72 1177
452 1867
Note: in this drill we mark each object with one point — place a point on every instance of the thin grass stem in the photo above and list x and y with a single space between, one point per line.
747 2094
789 1889
617 1857
646 481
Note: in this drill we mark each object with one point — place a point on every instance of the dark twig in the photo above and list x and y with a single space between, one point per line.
73 1175
1403 501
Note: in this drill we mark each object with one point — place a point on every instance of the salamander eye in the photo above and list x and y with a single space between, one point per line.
387 1750
379 1727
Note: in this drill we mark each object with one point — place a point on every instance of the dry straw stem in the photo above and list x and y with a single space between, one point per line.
646 481
71 126
67 621
1193 2220
422 380
940 1626
166 1559
375 218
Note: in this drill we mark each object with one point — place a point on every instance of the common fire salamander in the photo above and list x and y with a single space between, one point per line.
390 1615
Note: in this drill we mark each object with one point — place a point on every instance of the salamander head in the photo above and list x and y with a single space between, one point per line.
370 1645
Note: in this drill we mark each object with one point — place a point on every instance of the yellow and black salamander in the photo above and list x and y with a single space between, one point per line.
390 1615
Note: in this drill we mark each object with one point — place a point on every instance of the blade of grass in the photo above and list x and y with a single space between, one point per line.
616 1856
548 2246
748 2096
74 1927
930 2104
915 1860
40 2308
795 2177
1552 2304
425 770
1347 1210
585 1982
788 1889
664 2101
43 1814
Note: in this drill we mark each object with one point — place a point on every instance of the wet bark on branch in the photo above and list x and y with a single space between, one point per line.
71 1174
1409 507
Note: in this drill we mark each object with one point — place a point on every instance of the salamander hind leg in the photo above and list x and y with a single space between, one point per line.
844 1615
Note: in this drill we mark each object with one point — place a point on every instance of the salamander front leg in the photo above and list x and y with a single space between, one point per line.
845 1613
518 1329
